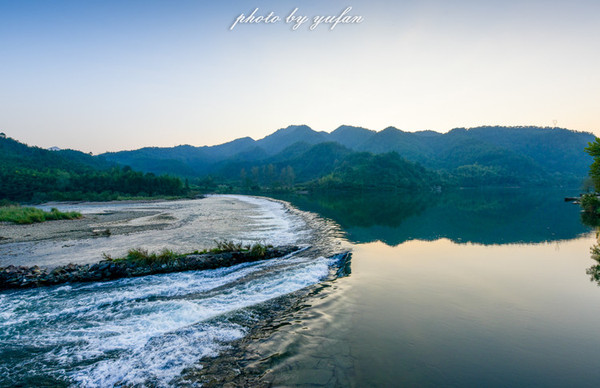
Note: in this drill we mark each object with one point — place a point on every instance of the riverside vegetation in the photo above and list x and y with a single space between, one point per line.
590 202
140 255
139 262
29 215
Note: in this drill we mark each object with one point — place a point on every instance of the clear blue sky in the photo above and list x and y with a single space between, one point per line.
111 75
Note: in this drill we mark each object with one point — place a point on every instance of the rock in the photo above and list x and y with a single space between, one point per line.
101 232
21 277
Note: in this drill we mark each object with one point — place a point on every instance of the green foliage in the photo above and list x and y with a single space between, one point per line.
137 254
366 171
492 156
30 215
258 250
140 255
33 174
593 149
227 246
255 250
298 156
6 203
590 204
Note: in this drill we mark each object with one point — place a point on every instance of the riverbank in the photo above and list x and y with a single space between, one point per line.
110 269
148 330
90 225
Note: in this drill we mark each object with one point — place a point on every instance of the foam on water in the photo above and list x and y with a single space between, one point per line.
146 331
274 222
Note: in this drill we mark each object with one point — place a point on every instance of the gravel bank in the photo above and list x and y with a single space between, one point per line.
90 225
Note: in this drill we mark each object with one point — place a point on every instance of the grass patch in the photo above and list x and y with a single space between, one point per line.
227 246
30 215
258 250
255 250
140 255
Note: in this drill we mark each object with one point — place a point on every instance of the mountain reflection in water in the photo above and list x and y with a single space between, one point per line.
492 216
466 288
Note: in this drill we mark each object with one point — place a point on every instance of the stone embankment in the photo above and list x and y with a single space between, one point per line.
27 277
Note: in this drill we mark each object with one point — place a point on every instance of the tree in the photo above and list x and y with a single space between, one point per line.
593 149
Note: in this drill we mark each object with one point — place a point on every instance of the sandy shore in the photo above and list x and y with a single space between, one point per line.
90 225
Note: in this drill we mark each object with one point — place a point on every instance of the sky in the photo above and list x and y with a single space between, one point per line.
111 75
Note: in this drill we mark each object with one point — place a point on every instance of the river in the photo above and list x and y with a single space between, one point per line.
473 288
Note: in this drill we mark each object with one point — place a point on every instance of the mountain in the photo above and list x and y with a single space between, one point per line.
308 162
349 157
285 137
14 153
189 161
475 156
351 137
182 160
408 144
35 174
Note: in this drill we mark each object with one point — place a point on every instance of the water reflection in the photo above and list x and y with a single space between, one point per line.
492 216
470 288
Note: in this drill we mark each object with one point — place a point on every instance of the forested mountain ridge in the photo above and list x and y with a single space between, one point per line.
475 156
35 174
13 152
297 156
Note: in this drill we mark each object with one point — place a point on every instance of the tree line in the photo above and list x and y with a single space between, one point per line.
34 174
24 184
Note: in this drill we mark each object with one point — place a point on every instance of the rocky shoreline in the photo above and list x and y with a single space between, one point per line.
12 277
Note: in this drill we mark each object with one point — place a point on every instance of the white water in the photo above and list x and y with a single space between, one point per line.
148 330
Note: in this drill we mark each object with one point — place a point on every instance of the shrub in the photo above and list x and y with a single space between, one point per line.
227 246
142 255
590 204
258 250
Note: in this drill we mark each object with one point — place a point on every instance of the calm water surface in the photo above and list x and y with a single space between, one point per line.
475 288
466 289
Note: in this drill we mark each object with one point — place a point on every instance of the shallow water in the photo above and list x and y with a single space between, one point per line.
147 330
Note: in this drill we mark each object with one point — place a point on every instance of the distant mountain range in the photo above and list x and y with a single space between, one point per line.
298 157
482 155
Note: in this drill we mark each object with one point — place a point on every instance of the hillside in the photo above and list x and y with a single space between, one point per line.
14 154
35 174
473 157
347 158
